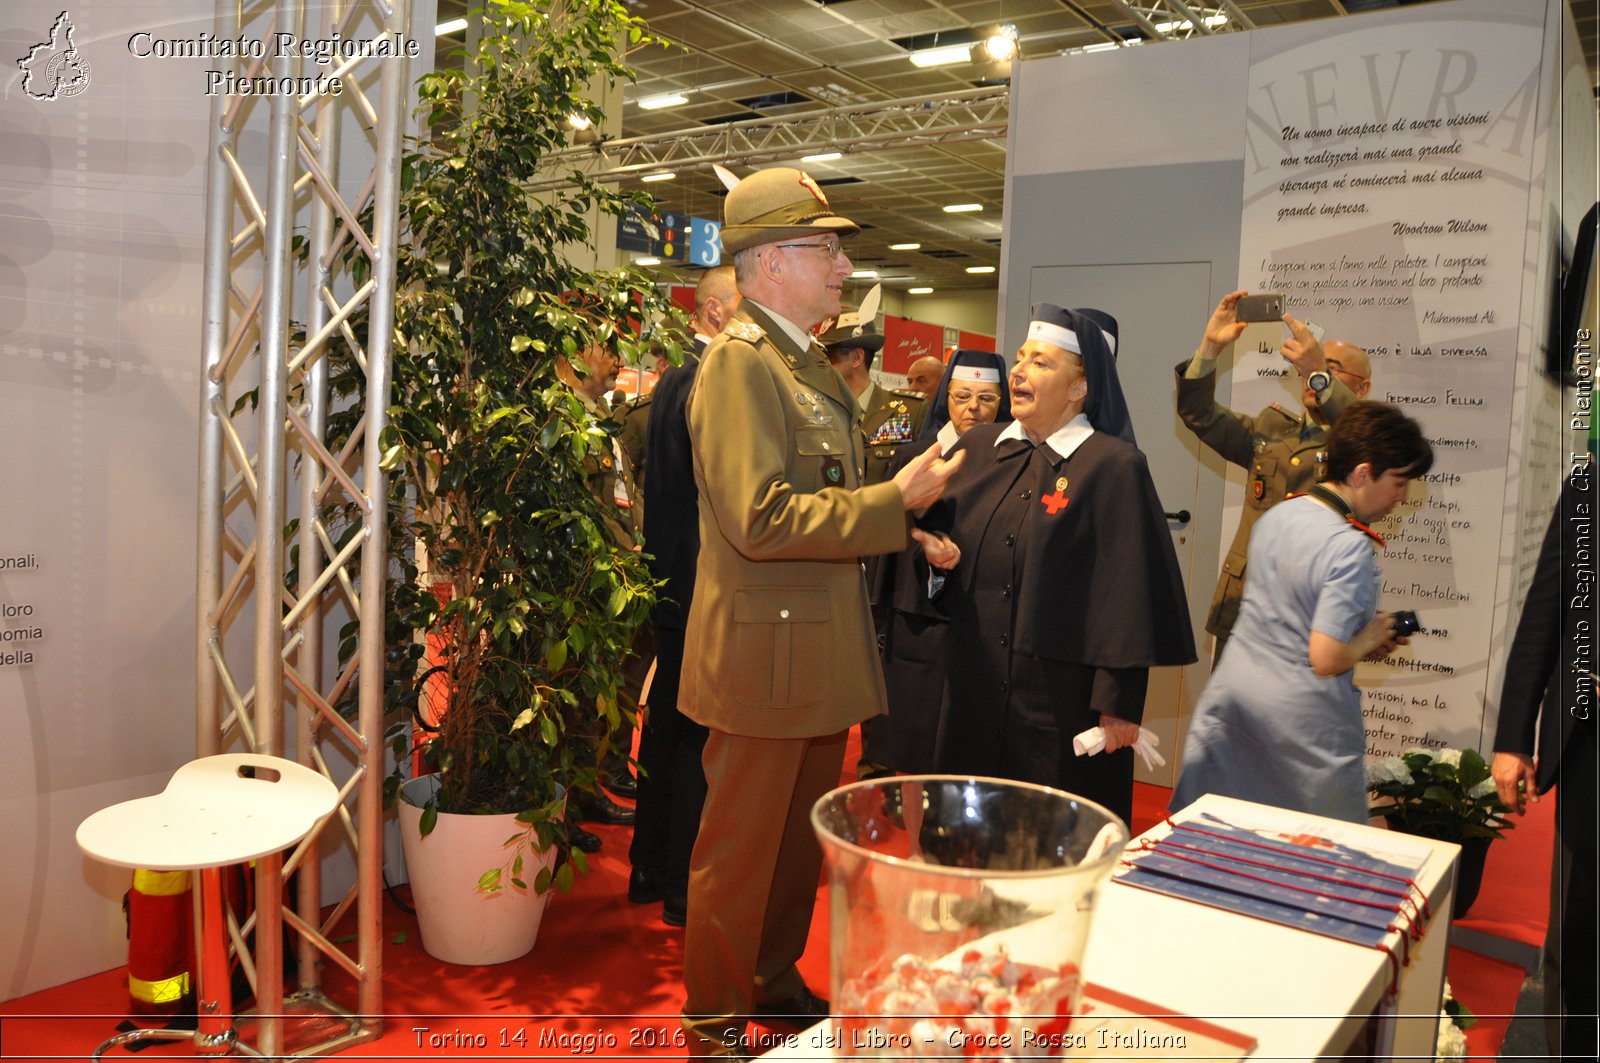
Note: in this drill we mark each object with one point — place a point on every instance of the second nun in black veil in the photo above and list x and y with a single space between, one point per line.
972 392
1068 590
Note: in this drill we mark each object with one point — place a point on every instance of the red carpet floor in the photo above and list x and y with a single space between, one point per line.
603 981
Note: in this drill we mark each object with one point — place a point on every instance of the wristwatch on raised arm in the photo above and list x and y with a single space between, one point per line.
1320 381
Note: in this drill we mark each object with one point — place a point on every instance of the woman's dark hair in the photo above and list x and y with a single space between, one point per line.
1376 434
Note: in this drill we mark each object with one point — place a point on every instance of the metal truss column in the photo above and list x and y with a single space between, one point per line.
264 445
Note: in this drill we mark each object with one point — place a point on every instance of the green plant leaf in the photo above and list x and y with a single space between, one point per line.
430 816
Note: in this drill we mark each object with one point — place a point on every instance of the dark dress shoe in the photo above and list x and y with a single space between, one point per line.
586 840
675 911
646 885
802 1011
601 809
622 784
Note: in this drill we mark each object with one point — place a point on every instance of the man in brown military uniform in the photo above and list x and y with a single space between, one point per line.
611 482
779 659
1283 452
889 418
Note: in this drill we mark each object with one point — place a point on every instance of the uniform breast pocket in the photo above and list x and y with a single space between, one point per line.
822 457
781 640
1263 473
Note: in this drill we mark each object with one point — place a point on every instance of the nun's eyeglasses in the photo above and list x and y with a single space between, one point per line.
985 398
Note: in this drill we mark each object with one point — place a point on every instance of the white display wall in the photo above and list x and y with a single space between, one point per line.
102 203
1394 176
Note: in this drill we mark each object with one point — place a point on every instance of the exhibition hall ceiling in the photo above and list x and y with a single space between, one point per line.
809 67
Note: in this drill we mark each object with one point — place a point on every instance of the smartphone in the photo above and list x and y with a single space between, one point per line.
1406 623
1267 306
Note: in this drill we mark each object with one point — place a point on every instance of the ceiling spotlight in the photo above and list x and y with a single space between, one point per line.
1001 44
942 55
449 26
825 156
665 176
665 99
980 269
963 208
919 291
905 247
578 121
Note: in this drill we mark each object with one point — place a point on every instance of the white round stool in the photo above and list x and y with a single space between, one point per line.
215 812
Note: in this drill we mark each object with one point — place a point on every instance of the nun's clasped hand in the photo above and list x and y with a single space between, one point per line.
940 551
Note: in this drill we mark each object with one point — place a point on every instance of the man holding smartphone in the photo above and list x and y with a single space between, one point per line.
1283 451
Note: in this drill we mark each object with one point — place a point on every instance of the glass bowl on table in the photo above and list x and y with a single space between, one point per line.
960 908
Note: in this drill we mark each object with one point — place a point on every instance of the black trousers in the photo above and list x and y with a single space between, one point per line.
672 780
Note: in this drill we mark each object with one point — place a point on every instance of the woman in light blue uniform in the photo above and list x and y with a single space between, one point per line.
1280 722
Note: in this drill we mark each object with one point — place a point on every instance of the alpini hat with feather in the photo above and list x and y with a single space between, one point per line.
780 203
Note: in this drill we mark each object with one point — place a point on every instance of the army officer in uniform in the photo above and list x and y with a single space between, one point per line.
779 659
1068 590
890 418
1284 452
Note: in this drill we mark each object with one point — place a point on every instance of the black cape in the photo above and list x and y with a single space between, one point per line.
1068 591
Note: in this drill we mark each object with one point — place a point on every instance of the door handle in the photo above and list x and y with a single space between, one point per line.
1183 516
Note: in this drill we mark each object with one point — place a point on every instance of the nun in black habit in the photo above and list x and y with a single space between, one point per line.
1068 590
972 392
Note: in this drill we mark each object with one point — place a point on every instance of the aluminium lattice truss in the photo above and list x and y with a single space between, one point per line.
1183 20
253 456
980 113
917 120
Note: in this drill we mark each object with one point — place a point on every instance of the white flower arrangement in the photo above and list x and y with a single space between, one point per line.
1454 1019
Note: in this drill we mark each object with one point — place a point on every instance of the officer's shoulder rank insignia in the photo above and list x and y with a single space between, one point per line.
748 331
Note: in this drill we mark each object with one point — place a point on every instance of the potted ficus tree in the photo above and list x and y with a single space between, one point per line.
498 552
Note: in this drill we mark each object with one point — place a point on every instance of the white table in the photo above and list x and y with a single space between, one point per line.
1300 995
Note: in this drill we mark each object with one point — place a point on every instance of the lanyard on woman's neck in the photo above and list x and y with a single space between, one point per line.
1333 501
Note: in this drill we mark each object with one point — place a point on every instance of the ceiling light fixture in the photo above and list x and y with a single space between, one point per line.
449 26
980 269
1211 22
905 247
864 273
825 156
647 261
578 121
919 291
1001 44
667 176
963 208
664 99
942 55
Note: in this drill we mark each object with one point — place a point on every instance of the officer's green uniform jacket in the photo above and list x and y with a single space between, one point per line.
889 422
1282 453
780 640
601 471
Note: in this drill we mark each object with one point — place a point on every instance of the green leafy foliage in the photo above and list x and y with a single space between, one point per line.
1448 794
498 548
